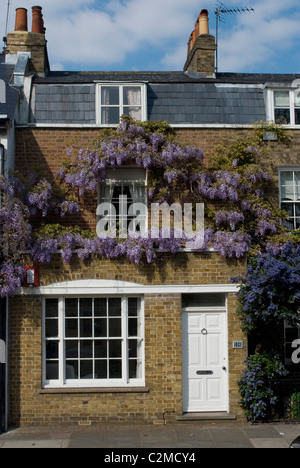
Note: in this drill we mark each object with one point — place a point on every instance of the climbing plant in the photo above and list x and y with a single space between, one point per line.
232 186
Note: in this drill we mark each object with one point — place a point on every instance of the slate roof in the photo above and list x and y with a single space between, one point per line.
175 97
67 77
12 95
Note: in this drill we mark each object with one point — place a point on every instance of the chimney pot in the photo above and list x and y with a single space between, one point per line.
37 20
21 20
203 23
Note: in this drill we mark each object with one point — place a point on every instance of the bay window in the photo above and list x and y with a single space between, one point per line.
93 342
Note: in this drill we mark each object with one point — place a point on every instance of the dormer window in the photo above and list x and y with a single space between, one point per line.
115 100
286 105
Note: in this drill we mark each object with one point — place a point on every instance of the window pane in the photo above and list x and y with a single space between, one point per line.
203 300
115 328
101 370
51 328
51 308
281 98
71 307
100 328
100 307
52 350
71 349
86 349
101 349
287 178
297 98
71 329
132 348
86 328
133 327
110 95
282 116
289 208
133 307
110 115
287 193
115 369
289 224
114 307
52 370
72 370
135 369
115 348
132 96
86 370
86 307
134 112
297 116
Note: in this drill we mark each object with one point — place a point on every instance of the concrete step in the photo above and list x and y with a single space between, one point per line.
219 416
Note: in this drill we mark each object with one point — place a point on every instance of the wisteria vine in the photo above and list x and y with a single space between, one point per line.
232 187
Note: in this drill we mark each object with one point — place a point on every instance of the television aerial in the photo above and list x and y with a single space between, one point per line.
221 11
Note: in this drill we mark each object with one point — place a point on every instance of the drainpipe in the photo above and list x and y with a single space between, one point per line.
3 335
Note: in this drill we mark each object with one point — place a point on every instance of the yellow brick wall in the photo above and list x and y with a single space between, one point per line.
29 404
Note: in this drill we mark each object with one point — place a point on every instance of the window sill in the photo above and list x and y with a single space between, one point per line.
46 391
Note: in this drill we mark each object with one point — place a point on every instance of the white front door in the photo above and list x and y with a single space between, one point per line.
204 360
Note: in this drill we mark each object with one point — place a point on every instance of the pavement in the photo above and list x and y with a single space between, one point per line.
170 436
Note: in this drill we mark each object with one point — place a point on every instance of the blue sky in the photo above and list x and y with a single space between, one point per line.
152 35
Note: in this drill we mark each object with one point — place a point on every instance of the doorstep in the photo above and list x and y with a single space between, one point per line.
221 416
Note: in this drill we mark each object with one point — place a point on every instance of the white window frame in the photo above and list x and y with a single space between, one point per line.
124 176
291 202
271 104
121 105
125 381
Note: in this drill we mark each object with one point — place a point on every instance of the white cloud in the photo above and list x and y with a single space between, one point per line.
261 38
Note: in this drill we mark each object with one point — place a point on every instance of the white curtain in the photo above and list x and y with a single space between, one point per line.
134 101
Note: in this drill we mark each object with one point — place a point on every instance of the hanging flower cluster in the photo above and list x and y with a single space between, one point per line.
231 187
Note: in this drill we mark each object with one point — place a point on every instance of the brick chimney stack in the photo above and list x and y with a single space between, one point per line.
201 48
20 40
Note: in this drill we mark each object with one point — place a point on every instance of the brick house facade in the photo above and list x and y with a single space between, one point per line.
175 304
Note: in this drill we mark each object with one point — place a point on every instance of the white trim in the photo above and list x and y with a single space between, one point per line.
112 287
187 125
96 125
243 86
